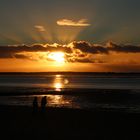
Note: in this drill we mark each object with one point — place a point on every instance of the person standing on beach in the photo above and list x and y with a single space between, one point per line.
35 105
43 104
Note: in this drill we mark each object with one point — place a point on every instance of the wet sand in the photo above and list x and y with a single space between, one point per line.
19 122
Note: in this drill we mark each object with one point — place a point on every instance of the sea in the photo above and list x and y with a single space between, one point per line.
91 91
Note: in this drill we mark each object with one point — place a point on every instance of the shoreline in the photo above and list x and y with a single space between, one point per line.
99 100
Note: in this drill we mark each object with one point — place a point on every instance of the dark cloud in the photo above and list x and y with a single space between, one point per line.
85 60
80 60
105 49
33 48
11 55
88 48
57 47
21 48
11 51
20 56
6 55
123 48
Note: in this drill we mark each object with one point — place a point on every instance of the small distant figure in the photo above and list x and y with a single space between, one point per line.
35 105
43 104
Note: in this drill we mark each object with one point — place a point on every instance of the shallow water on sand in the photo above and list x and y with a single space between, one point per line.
76 102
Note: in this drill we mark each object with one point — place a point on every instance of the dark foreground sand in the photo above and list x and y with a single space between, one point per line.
67 124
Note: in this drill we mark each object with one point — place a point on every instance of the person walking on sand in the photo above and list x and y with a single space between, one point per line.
43 104
35 105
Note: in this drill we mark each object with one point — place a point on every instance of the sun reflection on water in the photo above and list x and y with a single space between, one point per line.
57 76
59 82
58 86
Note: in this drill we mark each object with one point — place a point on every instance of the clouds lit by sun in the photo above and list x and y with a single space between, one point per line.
69 22
40 28
77 55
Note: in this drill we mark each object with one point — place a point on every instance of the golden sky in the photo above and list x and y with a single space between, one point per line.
76 56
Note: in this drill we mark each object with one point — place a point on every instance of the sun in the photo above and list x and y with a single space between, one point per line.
57 56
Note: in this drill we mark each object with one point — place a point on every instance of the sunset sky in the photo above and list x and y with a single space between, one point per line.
69 35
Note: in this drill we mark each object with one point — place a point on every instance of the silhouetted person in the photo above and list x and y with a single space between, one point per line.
35 105
43 104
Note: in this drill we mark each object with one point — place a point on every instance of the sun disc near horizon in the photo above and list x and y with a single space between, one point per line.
57 56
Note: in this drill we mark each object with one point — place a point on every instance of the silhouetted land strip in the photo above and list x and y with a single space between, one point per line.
71 73
67 124
68 91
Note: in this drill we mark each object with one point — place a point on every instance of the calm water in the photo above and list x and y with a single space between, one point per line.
73 83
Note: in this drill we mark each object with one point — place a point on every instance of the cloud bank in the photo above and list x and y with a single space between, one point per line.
77 51
69 22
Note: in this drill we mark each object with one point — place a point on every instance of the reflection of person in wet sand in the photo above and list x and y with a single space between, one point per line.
35 105
43 104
